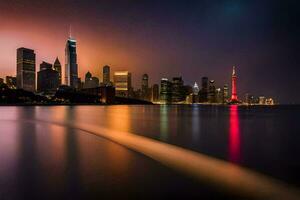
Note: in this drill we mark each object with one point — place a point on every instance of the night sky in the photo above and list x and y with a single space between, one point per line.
164 39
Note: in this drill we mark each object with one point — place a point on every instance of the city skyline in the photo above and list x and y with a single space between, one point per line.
118 40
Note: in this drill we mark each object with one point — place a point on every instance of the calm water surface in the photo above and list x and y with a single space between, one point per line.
39 160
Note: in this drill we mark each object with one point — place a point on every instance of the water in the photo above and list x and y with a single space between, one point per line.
39 160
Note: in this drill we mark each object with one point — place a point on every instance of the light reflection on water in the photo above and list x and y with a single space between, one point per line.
56 149
234 135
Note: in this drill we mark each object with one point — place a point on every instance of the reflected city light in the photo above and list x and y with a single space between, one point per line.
164 122
234 135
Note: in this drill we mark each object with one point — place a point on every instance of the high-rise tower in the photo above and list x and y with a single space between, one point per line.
71 67
26 69
233 86
106 75
57 67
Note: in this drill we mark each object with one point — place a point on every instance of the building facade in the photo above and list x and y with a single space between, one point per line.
26 69
155 93
48 79
165 91
71 67
122 81
106 75
177 90
57 67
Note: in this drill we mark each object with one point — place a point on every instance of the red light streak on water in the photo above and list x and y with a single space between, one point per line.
234 135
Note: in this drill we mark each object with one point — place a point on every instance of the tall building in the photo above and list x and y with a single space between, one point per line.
212 92
47 79
1 80
155 93
195 89
71 67
234 97
177 90
165 91
122 81
11 82
204 90
57 67
26 69
145 87
106 75
225 93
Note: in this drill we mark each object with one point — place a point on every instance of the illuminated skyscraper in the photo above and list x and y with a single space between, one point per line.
106 75
195 89
165 90
233 86
57 67
177 89
26 69
122 81
71 67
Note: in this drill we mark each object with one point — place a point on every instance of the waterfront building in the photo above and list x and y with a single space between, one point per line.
165 91
57 67
122 82
234 97
26 69
106 75
11 82
71 67
212 92
178 94
47 79
155 93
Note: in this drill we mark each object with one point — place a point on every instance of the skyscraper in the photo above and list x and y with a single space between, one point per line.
122 80
155 93
57 67
145 87
165 91
106 75
26 69
71 67
177 90
204 90
212 92
195 89
225 94
233 86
